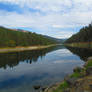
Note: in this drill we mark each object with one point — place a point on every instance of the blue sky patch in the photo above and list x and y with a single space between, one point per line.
10 7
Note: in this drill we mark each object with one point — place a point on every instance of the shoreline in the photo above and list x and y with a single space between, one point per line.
15 49
80 45
71 83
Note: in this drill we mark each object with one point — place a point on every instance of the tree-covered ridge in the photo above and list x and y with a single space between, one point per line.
84 35
13 38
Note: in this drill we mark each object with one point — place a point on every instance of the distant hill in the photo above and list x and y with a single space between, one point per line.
17 37
21 30
84 35
56 39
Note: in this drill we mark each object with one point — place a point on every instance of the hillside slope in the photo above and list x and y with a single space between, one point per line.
84 35
13 38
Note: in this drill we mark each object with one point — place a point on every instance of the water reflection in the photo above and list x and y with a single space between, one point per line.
13 59
83 53
39 67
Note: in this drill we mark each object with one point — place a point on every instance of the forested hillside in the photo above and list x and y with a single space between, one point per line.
84 35
13 38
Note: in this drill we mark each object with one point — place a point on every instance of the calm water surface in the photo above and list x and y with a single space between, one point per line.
20 71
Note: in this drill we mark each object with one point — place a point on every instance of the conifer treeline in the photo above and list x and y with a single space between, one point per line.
84 35
11 38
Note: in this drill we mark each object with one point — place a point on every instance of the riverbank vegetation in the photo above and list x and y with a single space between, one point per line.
80 44
15 38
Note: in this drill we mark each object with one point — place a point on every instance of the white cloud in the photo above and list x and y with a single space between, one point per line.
56 14
63 34
67 26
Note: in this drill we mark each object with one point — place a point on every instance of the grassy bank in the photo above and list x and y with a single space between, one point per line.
80 45
79 81
15 49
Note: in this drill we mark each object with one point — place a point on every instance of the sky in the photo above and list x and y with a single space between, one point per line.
56 18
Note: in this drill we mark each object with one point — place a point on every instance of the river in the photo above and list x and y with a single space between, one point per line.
21 71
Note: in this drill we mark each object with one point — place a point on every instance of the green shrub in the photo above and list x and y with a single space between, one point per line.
63 86
89 64
75 75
